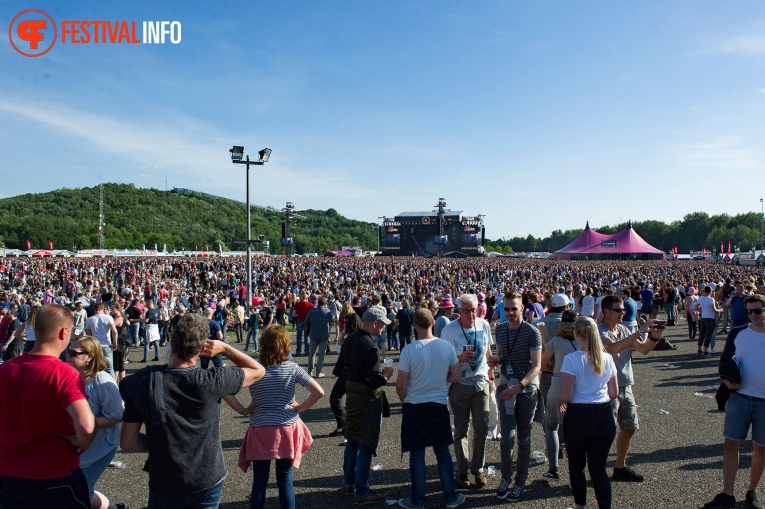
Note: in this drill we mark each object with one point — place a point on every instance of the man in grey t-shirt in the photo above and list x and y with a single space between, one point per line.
619 341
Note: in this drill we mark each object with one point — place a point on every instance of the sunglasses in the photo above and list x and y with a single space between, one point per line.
463 310
754 311
617 310
507 310
74 353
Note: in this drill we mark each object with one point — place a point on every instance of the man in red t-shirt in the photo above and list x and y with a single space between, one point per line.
302 307
42 441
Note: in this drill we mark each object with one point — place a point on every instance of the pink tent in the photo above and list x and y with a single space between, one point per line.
591 245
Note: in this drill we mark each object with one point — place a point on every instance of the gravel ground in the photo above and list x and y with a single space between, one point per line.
679 453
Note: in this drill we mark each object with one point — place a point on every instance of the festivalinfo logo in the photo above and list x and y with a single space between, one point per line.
34 32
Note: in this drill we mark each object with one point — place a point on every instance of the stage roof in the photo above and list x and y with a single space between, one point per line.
448 214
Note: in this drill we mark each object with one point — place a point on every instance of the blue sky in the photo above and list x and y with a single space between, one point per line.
540 115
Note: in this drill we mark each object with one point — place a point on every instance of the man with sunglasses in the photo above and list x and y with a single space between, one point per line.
746 406
620 342
471 339
519 346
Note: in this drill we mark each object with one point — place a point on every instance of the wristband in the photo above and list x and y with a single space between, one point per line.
654 339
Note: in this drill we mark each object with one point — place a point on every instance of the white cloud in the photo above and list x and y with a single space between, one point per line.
747 44
193 155
726 152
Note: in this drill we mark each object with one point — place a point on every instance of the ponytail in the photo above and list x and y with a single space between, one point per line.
586 328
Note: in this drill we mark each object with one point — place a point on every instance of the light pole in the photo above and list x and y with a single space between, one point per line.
378 232
237 153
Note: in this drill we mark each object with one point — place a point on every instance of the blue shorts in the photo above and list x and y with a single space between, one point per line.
740 412
93 471
382 339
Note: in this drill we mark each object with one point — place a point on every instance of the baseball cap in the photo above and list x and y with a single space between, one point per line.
559 300
375 313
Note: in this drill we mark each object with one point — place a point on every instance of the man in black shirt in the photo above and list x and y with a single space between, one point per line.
360 357
179 404
152 331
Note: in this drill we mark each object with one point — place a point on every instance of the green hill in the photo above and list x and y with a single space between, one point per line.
135 216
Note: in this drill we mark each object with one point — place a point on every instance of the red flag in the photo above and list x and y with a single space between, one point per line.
729 249
29 245
722 247
50 243
207 248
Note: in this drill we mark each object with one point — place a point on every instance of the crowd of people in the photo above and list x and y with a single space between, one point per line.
488 345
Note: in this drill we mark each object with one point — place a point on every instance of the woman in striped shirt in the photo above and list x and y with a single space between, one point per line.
276 431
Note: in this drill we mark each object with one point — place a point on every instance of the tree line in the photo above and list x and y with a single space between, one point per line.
135 217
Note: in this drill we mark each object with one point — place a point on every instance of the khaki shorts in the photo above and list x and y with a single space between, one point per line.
625 409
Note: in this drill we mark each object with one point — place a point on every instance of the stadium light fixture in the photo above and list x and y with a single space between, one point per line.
237 154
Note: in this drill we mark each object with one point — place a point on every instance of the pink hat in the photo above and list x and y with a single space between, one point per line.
481 296
446 302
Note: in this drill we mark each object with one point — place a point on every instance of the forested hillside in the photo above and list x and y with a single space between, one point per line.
69 217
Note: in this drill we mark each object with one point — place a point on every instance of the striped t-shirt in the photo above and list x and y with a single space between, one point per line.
513 346
273 394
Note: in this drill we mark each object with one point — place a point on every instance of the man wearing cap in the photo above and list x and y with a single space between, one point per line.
558 304
471 339
365 404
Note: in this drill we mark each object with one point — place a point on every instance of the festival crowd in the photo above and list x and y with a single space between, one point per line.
486 348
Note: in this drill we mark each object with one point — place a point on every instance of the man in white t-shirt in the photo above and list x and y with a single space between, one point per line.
425 369
101 326
744 407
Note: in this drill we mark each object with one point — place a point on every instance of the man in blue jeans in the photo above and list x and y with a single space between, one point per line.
365 402
179 406
424 372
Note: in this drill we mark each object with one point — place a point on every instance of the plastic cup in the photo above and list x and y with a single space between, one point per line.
493 361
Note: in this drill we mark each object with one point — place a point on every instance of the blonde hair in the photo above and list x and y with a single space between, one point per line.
586 328
92 346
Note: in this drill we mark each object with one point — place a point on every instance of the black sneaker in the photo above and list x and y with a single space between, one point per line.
347 490
626 474
551 476
516 494
753 500
721 501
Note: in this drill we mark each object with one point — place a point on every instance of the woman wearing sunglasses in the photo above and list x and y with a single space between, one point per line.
86 355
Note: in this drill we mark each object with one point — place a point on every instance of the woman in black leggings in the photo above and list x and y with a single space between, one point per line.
589 387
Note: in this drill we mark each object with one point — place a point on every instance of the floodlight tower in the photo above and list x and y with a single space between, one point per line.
237 153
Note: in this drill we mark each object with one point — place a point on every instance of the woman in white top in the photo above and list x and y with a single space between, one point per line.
589 387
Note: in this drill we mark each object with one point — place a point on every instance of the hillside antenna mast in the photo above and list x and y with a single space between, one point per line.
100 215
